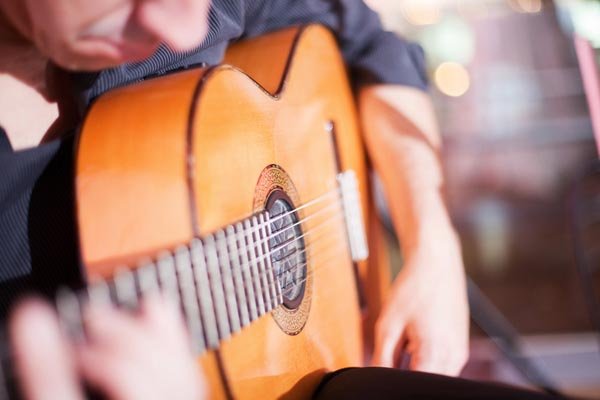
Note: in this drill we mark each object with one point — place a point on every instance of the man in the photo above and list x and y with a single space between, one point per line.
427 308
87 35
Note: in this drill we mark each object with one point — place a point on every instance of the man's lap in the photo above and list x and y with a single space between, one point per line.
388 383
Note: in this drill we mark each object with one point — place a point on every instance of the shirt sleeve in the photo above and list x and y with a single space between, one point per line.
372 54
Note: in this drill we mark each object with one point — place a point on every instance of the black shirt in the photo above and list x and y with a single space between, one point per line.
37 227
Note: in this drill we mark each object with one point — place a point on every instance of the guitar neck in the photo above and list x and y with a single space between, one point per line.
222 282
228 279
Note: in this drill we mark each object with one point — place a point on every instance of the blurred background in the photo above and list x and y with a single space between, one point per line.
518 140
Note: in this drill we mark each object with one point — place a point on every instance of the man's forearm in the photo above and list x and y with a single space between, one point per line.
402 136
427 311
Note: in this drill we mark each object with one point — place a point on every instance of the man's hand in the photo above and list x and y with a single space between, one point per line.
142 356
427 312
146 356
44 360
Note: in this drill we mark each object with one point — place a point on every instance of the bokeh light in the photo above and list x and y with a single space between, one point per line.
526 6
583 17
452 39
452 79
421 12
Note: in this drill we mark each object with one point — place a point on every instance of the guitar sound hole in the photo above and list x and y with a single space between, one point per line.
288 254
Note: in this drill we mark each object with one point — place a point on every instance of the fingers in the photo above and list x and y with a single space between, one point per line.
388 335
425 359
163 315
435 356
43 359
105 360
143 356
457 361
429 352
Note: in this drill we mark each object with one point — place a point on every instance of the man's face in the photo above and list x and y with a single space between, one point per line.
96 34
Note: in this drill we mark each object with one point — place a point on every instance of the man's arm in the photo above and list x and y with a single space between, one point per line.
427 304
427 309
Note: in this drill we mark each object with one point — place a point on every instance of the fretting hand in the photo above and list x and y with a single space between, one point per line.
143 356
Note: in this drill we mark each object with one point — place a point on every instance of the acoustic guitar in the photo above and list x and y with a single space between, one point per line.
241 191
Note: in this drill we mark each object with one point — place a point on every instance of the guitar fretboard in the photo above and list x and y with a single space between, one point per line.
222 282
226 280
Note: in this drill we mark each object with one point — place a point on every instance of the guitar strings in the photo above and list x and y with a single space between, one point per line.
309 203
249 248
256 244
322 261
266 296
254 262
253 238
295 239
316 254
264 240
248 232
311 260
254 228
244 238
306 248
312 272
247 267
255 231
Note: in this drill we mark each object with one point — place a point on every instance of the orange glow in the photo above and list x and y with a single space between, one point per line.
452 79
526 6
421 12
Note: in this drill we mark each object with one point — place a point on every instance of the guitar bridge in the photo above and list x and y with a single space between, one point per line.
355 227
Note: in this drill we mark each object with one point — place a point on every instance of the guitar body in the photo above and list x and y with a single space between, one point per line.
182 156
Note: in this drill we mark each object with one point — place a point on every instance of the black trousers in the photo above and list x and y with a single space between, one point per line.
389 383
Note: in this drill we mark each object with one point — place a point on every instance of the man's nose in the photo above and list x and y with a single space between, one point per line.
181 24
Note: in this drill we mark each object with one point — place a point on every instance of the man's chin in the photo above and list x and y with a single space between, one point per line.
93 57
